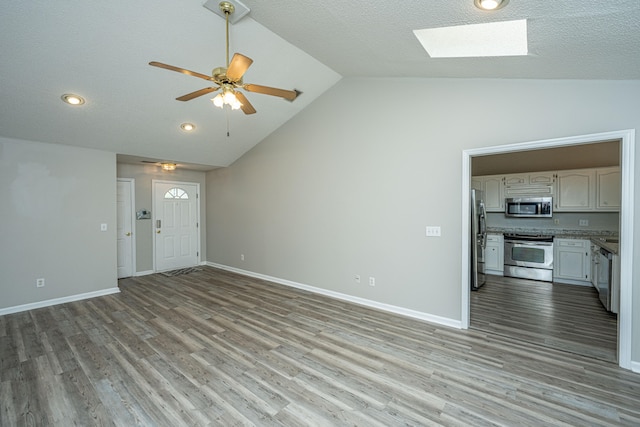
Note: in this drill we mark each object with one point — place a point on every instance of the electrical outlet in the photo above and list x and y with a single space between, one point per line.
433 231
357 278
39 283
556 221
584 222
241 257
372 281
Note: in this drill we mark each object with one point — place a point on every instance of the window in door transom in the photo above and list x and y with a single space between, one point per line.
176 193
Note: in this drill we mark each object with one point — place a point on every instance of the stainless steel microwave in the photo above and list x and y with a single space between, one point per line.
529 207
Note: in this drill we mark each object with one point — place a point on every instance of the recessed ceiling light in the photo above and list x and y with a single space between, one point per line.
187 127
507 38
72 99
490 4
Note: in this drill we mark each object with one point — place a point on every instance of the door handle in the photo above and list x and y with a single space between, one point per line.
128 234
158 231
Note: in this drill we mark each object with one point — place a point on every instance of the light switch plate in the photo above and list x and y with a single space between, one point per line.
103 227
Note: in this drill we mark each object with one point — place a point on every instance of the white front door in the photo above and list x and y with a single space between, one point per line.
175 224
125 243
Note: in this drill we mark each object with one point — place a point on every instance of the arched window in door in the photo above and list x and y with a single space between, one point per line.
176 193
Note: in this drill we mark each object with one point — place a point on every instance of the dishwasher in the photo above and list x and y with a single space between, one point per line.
608 274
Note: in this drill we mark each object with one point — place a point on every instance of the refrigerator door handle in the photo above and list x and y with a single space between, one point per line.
483 225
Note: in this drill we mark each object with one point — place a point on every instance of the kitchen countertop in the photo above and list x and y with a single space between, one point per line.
603 238
611 246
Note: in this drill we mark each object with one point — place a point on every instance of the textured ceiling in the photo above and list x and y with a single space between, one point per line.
568 39
100 50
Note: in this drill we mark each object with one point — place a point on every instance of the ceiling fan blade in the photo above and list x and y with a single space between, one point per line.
197 93
238 66
282 93
246 107
180 70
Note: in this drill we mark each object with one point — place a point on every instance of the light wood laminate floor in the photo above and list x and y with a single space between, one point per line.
216 348
560 316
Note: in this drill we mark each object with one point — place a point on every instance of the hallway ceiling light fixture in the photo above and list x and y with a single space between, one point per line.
168 166
187 127
490 4
72 99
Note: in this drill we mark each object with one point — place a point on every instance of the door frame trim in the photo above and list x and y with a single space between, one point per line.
153 216
627 158
132 184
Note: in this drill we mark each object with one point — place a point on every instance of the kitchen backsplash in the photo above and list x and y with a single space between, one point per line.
605 222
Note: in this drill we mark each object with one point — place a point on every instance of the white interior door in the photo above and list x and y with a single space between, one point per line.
175 224
125 223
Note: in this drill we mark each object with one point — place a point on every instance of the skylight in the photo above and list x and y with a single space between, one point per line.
508 38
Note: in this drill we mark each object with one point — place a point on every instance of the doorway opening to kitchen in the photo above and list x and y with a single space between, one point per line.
501 305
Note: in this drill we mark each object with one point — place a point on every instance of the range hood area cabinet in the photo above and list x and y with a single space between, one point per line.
579 190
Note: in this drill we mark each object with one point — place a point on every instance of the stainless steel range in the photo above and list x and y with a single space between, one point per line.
528 256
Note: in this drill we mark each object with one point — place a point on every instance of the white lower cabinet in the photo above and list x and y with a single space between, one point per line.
572 261
494 255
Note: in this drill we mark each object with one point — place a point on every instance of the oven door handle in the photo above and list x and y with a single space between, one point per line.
527 243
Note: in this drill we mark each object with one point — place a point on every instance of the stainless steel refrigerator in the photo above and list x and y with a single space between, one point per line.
478 239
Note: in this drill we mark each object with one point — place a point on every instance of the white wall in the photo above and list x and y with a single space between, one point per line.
348 186
144 175
54 199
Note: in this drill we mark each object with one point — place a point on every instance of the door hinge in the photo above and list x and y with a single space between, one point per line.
197 253
197 224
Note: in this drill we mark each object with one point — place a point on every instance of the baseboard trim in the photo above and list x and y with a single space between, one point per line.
56 301
345 297
635 367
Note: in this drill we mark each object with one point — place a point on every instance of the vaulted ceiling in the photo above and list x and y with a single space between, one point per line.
101 51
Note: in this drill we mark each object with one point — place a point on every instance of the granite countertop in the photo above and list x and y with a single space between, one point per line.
603 238
608 244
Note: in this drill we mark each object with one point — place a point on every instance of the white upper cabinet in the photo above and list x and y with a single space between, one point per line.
476 183
578 190
575 190
519 179
493 187
546 178
608 189
535 178
538 184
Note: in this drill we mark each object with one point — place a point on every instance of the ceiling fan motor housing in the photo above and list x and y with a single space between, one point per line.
219 75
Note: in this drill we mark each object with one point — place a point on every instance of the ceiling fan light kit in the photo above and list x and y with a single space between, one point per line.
229 79
490 4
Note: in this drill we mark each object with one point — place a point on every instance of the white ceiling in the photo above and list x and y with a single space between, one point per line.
568 39
100 50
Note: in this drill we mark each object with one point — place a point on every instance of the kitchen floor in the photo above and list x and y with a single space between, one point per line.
563 317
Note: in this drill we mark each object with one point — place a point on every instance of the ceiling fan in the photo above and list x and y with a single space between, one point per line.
228 79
